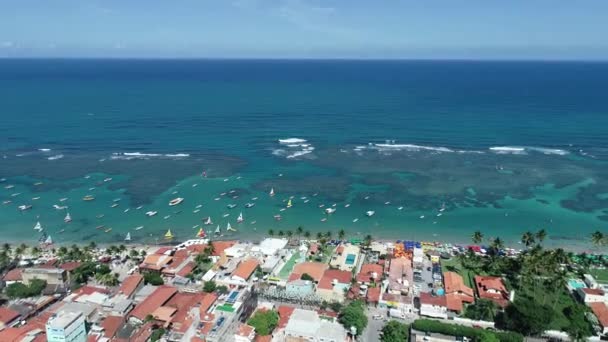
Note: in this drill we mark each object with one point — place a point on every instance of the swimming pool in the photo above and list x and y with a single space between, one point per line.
576 284
350 259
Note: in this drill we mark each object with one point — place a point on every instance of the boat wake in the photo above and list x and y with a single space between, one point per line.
527 149
139 155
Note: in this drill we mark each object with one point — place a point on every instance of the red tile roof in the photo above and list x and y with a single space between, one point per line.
111 324
326 282
314 269
155 300
130 284
246 268
186 269
486 286
284 315
365 275
245 330
206 303
13 275
600 310
265 338
70 266
429 299
314 248
455 284
454 302
373 295
220 246
7 315
183 302
294 276
340 249
596 292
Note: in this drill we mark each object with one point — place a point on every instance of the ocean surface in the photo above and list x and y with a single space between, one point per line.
436 150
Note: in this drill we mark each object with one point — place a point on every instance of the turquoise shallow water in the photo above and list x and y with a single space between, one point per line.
501 147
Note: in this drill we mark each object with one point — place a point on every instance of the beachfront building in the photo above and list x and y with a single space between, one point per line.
334 285
345 257
313 269
433 306
52 276
270 246
600 310
492 288
370 274
456 292
589 295
306 325
66 326
397 292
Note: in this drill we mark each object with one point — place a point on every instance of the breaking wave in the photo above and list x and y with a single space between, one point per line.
139 155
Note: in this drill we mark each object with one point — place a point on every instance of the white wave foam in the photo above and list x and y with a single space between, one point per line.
543 150
508 150
525 149
55 157
177 155
292 141
411 147
139 155
44 149
298 154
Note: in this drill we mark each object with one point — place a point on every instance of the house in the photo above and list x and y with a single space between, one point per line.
156 299
52 276
373 295
313 249
111 324
370 273
245 333
399 293
299 288
313 269
433 306
8 317
155 262
600 310
492 288
131 284
245 270
306 325
588 295
333 285
270 246
456 292
345 257
12 276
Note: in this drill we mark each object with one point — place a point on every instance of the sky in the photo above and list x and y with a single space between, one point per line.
375 29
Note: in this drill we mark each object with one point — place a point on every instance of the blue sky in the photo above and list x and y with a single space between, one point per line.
471 29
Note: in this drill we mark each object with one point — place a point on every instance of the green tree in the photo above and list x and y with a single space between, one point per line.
541 235
271 232
36 251
578 328
289 234
20 290
299 231
264 322
209 286
319 236
306 276
367 241
395 331
222 289
353 315
153 278
597 238
477 237
281 233
307 234
92 245
107 279
157 334
328 234
527 239
483 309
133 253
341 234
526 317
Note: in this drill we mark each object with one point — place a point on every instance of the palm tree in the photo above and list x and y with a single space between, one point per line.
62 251
209 250
597 238
328 234
299 231
6 247
271 232
498 244
307 234
527 239
92 245
122 248
319 235
289 234
477 237
368 240
341 234
281 233
35 251
541 235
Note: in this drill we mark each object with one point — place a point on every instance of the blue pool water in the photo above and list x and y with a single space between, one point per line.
350 259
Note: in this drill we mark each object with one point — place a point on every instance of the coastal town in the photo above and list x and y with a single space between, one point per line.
292 287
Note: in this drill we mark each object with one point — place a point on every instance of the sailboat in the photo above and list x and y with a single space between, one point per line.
38 226
128 237
168 235
271 192
67 218
201 233
240 218
48 240
289 203
229 228
217 230
208 221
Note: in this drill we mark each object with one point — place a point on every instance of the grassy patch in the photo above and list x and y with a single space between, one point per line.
286 270
600 275
453 265
557 300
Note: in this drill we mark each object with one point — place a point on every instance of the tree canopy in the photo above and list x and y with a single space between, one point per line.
209 286
20 290
353 315
153 278
264 322
395 331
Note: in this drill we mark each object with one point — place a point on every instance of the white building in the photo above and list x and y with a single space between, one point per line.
592 295
306 325
66 326
433 306
270 246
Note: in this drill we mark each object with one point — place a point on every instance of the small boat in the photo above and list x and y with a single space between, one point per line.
282 209
231 191
176 201
38 226
15 194
249 205
139 228
174 193
35 198
9 186
208 221
91 189
442 207
303 198
306 200
88 198
107 180
168 235
355 220
63 199
240 218
141 206
7 202
201 233
60 207
198 206
217 230
439 214
225 215
421 216
196 211
223 194
254 199
48 240
387 203
225 179
177 212
126 210
400 208
194 185
330 210
87 177
151 213
253 222
231 206
62 231
117 200
370 213
289 205
195 226
324 219
114 205
321 205
334 205
167 217
366 197
100 216
346 205
67 218
229 228
100 227
271 192
25 207
128 237
277 217
216 199
108 230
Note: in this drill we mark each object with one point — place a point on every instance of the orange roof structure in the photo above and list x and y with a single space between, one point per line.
164 313
326 282
206 303
246 268
70 266
313 269
600 310
13 275
455 284
313 249
284 315
492 288
595 292
367 270
130 284
429 299
111 324
373 295
340 250
7 315
184 271
245 330
155 300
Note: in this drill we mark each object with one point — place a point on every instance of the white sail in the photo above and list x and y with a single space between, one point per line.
240 218
67 218
217 230
208 222
128 238
271 191
38 226
228 227
48 240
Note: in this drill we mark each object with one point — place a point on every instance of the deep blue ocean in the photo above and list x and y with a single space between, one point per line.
474 138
